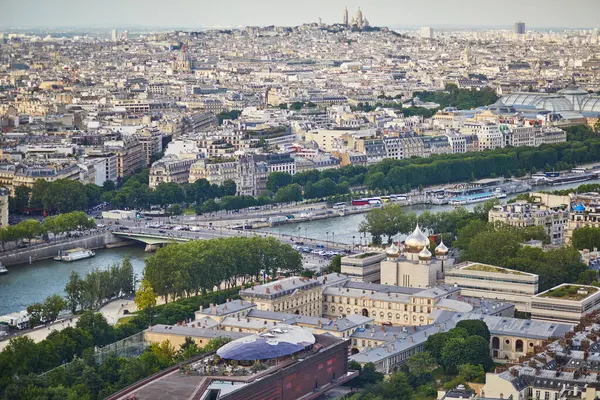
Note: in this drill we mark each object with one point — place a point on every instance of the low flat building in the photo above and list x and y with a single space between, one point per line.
565 303
491 282
363 267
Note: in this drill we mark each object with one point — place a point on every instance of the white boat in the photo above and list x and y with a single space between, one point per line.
3 269
75 254
475 198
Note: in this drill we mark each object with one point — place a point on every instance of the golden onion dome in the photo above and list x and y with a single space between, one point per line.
416 241
393 251
441 249
425 254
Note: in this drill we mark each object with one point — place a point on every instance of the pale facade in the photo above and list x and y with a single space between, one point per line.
3 207
364 267
295 295
170 170
481 280
555 305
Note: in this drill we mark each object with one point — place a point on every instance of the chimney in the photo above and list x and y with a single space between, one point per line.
268 291
215 310
227 301
410 339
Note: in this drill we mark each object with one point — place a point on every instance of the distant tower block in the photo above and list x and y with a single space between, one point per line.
520 28
114 35
426 32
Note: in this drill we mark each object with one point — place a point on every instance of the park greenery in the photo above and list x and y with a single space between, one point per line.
23 360
501 245
185 269
29 229
458 356
463 99
392 220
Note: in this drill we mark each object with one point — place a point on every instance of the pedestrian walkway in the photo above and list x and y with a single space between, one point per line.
112 312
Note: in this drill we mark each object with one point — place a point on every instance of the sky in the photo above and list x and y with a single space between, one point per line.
236 13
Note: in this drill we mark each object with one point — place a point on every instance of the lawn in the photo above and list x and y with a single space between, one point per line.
124 320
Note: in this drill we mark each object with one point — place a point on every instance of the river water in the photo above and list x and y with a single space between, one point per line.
26 284
345 229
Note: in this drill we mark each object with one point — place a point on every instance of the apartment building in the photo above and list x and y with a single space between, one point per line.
523 214
130 155
170 170
488 135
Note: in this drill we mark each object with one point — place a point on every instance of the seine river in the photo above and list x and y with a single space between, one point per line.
345 229
26 284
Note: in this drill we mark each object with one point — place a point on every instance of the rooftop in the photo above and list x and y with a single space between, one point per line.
569 292
491 268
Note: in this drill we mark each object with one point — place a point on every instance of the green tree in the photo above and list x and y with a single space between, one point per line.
74 289
335 265
289 193
277 180
95 324
35 312
472 373
145 296
452 355
475 327
22 194
52 306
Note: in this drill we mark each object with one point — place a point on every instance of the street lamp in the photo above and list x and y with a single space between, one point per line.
327 239
305 235
352 242
332 239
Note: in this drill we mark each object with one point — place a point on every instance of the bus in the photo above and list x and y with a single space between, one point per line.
360 202
338 206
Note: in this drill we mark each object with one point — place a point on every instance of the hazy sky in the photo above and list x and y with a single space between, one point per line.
233 13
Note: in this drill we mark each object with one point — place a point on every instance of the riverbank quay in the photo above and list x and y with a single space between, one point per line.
95 240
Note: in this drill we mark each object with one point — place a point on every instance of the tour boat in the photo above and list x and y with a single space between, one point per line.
74 255
475 198
3 269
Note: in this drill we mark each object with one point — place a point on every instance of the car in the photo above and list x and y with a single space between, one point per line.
100 226
300 243
320 246
123 228
162 231
21 246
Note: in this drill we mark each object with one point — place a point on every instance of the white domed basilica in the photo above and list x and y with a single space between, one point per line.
414 265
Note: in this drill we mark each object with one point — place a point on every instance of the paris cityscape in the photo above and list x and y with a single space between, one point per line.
254 200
